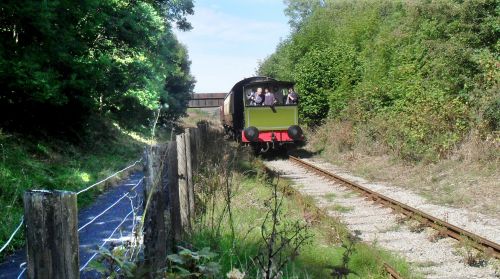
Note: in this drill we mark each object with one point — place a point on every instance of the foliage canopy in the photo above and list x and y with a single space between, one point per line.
62 62
417 75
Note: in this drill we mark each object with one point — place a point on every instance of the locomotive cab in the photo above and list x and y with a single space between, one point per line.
263 122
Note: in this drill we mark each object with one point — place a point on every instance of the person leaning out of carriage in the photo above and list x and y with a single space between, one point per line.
269 99
292 97
256 98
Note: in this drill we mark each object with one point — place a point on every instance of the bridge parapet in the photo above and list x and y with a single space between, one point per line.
206 100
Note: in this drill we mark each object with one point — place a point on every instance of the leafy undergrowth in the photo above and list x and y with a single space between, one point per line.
318 257
27 163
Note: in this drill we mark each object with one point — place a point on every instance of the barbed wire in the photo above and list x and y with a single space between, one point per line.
113 175
111 206
12 235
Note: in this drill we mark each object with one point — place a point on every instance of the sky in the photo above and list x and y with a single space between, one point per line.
228 39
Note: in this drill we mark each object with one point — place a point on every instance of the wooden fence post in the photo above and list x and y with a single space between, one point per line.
155 225
189 174
166 200
183 185
173 191
51 222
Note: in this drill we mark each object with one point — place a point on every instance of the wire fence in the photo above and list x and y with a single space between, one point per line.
111 206
107 239
115 203
109 177
178 176
22 272
12 235
132 211
126 195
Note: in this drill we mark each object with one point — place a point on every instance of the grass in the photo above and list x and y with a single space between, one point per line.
348 195
27 163
340 208
330 197
315 259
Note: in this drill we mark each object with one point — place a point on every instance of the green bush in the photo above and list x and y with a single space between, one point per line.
323 75
418 75
492 115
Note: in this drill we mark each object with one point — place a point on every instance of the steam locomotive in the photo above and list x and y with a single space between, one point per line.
264 127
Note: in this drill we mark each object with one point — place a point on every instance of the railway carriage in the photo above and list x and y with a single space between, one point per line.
264 127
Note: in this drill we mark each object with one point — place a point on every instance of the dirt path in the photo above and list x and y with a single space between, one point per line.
434 259
100 231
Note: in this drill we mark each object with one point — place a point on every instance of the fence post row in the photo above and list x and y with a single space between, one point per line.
51 223
51 217
171 207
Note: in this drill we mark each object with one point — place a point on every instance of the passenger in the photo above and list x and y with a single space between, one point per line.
269 100
251 98
292 97
258 97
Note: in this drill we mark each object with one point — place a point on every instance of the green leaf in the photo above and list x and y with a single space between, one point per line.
97 266
206 253
176 258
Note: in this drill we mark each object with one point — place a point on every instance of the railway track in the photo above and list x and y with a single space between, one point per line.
392 273
489 247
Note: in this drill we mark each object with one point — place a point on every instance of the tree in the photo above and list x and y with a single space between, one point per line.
178 88
64 61
299 10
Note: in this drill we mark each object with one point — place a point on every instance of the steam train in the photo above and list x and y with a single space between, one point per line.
263 127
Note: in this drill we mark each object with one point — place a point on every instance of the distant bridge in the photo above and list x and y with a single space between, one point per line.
206 100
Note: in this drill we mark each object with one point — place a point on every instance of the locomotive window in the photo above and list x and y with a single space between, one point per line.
251 99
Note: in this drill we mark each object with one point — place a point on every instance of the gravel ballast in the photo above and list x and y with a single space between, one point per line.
376 224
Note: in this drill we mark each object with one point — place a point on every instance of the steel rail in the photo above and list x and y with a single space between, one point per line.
393 274
478 242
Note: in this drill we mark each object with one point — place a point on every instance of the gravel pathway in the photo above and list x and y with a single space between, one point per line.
378 225
101 231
